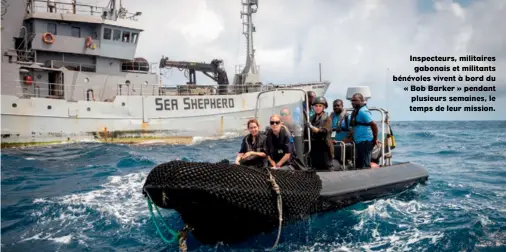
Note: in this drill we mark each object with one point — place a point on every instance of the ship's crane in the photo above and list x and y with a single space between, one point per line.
213 70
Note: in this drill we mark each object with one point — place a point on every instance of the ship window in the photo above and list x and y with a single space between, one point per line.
116 35
51 27
107 33
76 32
126 37
134 37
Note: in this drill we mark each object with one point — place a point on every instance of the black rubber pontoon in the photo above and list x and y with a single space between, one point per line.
230 203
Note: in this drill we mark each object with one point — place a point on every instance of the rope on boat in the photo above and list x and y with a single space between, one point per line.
276 188
177 237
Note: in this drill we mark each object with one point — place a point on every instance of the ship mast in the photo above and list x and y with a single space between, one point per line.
249 74
114 11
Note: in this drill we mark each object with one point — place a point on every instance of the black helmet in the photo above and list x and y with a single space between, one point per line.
321 100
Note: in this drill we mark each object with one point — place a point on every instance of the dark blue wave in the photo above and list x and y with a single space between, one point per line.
86 197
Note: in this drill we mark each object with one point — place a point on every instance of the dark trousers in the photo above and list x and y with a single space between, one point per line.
320 156
363 154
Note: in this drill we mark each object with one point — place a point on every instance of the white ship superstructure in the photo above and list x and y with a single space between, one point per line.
69 73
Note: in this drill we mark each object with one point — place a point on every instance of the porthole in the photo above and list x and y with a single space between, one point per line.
14 105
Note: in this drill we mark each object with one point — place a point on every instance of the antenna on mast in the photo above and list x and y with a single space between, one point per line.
320 72
249 74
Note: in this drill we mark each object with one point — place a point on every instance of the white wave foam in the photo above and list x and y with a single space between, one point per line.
412 214
226 135
40 236
119 198
62 239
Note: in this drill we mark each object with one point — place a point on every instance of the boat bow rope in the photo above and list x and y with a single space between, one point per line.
182 235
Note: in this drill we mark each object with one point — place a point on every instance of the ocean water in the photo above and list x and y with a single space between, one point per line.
87 197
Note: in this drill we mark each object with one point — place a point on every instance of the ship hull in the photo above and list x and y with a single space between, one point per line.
128 119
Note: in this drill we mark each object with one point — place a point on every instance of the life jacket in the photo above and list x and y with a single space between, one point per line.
319 123
288 134
340 122
353 119
254 160
259 142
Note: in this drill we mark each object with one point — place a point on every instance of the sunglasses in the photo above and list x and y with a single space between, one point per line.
275 122
284 114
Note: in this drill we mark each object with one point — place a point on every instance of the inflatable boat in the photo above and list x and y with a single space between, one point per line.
223 202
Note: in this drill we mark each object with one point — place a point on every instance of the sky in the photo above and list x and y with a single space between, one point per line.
358 43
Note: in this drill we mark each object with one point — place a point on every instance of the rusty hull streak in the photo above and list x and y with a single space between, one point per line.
143 136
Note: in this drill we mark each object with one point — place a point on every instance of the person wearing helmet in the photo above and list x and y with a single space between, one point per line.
322 149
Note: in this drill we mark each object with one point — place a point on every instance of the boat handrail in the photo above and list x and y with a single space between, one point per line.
343 153
74 92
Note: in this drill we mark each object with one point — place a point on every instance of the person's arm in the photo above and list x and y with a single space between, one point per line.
238 158
241 151
271 162
325 128
283 160
374 128
366 118
286 149
267 152
257 153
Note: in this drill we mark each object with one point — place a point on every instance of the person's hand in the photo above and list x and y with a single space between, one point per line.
377 142
236 162
334 141
314 129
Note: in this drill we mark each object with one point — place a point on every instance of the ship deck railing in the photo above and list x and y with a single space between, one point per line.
107 92
29 57
70 7
73 66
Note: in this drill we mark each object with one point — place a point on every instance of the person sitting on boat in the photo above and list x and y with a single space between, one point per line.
287 120
252 147
364 131
277 145
340 130
322 148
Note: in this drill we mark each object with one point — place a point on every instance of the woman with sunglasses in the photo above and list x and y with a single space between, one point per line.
322 148
252 147
278 145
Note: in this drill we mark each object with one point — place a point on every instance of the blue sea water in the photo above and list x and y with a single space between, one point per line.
87 197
